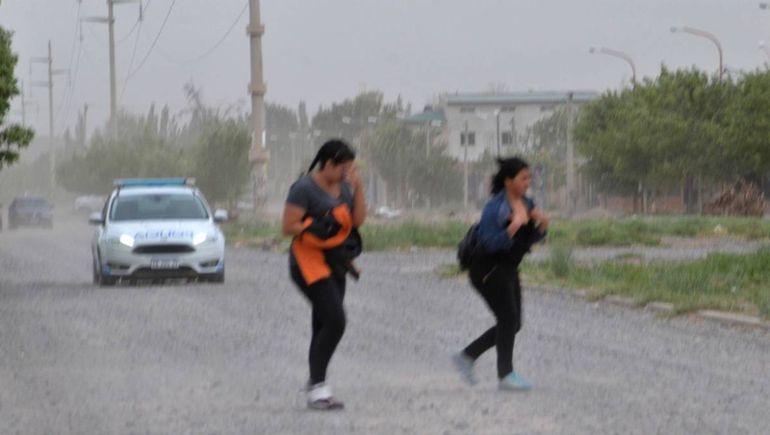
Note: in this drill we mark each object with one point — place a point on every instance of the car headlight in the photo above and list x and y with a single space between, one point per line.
201 238
126 240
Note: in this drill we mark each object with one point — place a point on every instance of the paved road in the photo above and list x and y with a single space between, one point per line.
209 359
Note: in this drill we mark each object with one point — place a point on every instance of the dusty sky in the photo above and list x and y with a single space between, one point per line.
323 51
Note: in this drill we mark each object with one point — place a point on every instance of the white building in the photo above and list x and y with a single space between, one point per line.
498 123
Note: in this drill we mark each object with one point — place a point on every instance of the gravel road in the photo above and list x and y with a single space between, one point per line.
230 359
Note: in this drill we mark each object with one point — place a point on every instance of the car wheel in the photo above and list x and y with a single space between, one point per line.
219 278
101 280
94 271
106 281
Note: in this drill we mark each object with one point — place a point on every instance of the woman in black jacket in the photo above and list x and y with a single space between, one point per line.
510 224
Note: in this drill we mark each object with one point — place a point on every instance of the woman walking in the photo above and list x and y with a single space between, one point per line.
322 212
510 224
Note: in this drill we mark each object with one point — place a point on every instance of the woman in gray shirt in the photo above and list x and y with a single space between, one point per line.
323 209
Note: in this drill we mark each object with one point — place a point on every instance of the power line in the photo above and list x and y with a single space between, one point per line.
67 97
154 42
215 46
131 63
143 10
73 84
130 32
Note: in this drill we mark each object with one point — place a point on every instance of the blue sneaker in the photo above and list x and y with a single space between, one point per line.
514 382
464 364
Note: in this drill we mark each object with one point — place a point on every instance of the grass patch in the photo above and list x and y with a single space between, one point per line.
406 234
729 282
449 271
649 230
646 231
560 260
261 235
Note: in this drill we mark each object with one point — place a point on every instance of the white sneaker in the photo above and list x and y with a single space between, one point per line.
320 398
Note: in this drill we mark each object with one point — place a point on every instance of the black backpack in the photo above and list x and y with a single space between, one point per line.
469 247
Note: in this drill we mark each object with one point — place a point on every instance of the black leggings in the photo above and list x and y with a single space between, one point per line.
326 297
501 290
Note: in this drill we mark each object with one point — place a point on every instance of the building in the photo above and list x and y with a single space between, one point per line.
471 125
500 123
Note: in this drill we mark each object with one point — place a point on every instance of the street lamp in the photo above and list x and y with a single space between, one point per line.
465 146
465 167
619 55
497 136
762 45
707 35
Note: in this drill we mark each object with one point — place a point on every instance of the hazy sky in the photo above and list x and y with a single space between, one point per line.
323 51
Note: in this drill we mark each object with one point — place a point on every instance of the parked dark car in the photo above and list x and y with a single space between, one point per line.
30 211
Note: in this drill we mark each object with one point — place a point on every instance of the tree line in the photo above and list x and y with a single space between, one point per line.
683 130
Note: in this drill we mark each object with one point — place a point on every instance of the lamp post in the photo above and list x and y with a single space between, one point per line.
465 167
762 45
619 55
497 135
707 35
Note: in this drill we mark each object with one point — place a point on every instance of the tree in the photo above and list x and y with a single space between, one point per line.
283 142
349 118
660 133
549 148
13 137
222 166
400 158
747 131
138 151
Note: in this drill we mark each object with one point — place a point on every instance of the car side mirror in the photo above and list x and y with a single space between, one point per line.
95 219
220 216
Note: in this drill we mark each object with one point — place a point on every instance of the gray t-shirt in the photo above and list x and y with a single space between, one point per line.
307 194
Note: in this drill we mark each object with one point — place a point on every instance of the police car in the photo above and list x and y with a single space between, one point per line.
153 229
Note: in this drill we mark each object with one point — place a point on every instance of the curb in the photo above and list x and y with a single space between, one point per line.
732 319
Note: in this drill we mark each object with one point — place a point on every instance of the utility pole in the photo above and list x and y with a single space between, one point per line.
49 83
427 139
110 21
113 82
497 135
24 103
571 193
465 167
258 155
85 125
23 106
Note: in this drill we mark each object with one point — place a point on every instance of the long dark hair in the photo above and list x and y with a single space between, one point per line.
335 150
506 168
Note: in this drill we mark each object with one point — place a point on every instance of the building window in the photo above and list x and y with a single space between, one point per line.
507 138
471 138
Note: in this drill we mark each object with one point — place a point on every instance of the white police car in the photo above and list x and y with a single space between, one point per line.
153 229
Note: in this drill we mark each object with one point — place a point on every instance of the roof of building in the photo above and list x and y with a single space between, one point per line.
425 117
548 97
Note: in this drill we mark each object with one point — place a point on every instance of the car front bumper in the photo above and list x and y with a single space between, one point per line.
120 261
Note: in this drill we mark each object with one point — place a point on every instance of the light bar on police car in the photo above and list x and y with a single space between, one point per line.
154 182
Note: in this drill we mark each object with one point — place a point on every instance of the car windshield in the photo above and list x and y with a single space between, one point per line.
38 203
157 207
